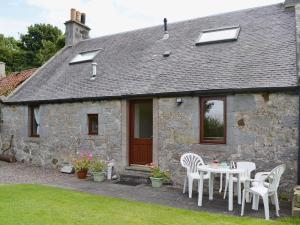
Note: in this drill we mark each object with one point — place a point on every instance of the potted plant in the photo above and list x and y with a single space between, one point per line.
98 167
82 164
158 176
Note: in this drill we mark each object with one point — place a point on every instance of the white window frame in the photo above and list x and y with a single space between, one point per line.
79 57
216 40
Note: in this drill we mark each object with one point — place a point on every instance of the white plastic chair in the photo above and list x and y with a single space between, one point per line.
248 167
191 161
265 190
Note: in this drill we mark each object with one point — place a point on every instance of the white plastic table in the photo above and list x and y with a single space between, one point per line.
218 170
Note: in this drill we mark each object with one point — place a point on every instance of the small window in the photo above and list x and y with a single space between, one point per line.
93 124
213 120
34 121
84 56
218 35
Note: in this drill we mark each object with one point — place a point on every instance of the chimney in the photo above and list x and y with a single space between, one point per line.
76 30
291 3
2 69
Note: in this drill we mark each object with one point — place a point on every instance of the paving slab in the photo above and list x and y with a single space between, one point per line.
21 173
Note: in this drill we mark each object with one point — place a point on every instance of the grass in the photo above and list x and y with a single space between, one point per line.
42 205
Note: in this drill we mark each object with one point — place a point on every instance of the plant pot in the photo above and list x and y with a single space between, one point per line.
98 176
156 182
81 174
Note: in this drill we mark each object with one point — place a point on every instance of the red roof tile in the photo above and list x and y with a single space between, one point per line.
13 80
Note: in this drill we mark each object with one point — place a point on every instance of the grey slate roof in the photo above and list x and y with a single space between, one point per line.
131 63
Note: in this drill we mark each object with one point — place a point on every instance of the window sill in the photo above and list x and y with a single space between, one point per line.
212 143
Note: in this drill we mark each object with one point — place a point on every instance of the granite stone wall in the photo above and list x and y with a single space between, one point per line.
63 132
262 128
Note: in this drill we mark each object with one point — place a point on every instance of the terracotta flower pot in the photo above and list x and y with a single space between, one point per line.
81 174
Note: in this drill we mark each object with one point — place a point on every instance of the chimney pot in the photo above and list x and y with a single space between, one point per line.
78 16
2 69
83 16
73 14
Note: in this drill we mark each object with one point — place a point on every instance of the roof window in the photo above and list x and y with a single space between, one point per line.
218 35
85 56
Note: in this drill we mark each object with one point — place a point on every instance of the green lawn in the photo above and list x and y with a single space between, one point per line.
42 205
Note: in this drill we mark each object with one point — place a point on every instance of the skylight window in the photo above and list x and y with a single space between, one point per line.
218 35
84 56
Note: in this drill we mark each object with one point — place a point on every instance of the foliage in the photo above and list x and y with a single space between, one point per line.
98 165
156 172
36 204
33 49
83 161
12 54
213 127
41 42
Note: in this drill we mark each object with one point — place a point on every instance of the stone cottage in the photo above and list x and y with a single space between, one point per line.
8 83
223 86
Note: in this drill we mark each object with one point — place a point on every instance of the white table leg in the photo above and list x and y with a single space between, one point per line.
239 188
200 189
211 186
230 194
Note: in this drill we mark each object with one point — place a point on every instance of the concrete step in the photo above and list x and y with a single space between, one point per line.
135 176
139 168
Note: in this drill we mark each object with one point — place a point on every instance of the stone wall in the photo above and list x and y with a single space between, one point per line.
261 128
63 132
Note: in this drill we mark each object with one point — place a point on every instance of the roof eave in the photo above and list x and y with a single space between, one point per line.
163 94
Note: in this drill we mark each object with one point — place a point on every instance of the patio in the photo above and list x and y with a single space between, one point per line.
168 195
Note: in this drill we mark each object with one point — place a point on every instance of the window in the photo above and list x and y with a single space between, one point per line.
34 121
213 120
84 56
218 35
93 124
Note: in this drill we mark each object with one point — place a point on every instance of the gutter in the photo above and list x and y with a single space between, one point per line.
212 92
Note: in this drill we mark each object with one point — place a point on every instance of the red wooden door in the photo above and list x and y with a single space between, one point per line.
141 124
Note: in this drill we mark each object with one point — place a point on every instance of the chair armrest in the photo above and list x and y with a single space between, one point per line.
249 181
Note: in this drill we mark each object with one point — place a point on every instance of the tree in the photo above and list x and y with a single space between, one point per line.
33 49
41 42
12 54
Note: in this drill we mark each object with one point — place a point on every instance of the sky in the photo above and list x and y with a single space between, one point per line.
112 16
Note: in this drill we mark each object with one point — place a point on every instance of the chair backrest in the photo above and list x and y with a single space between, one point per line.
248 167
191 161
274 177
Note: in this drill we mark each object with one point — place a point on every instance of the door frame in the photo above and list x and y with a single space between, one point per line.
131 126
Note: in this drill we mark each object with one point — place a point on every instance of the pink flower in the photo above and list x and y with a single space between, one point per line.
90 156
81 154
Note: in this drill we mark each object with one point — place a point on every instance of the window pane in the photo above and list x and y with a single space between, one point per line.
93 124
214 119
143 120
84 56
218 35
34 120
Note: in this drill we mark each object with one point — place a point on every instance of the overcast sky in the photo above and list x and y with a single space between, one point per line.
112 16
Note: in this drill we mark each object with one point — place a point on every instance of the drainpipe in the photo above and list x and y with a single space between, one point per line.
298 167
296 6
